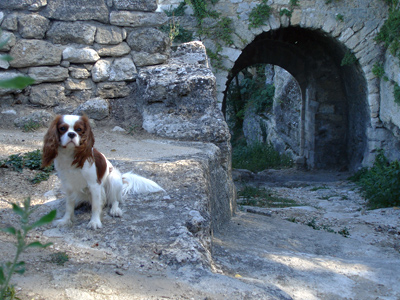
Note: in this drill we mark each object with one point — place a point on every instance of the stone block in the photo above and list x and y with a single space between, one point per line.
123 69
47 94
33 26
148 40
78 72
74 10
10 38
108 90
137 19
96 109
112 50
71 32
48 74
109 35
79 85
10 22
142 59
81 56
101 70
29 53
136 5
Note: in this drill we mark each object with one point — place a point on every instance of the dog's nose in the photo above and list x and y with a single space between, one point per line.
71 135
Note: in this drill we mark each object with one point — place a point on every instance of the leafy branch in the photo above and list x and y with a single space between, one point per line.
11 267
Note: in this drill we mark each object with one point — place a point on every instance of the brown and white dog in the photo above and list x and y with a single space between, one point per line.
85 173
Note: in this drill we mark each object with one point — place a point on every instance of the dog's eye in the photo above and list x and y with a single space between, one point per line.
78 129
63 128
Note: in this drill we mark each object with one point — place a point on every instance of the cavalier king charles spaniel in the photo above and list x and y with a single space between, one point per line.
85 173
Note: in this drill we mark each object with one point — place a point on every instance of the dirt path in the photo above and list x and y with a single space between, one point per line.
271 254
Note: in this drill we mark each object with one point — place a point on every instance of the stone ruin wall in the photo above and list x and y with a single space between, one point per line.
84 58
111 61
355 32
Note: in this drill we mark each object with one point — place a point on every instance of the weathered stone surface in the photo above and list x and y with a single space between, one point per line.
109 35
78 72
137 5
48 74
78 85
71 32
74 10
149 40
82 56
33 26
123 69
112 50
5 76
178 101
109 90
28 53
9 37
101 70
47 94
96 109
142 59
18 4
137 19
41 117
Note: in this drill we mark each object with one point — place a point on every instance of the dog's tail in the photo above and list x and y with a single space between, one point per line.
135 184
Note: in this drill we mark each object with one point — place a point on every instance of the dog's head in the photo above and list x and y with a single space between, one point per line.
69 132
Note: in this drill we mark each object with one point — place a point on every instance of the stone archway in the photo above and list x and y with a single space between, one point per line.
335 110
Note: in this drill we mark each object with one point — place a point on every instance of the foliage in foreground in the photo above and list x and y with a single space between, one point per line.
7 269
31 160
380 184
258 157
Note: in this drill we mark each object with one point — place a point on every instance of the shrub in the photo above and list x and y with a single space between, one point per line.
380 184
259 15
258 157
7 269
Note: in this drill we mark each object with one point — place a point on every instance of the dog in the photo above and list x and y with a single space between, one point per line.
86 174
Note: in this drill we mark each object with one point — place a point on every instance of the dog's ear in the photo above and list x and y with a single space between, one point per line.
85 150
50 143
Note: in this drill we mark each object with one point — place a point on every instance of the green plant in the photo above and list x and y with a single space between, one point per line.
253 196
380 184
59 258
31 160
258 157
378 70
348 59
389 33
396 93
176 12
339 17
322 187
344 232
31 126
285 12
18 82
9 268
259 14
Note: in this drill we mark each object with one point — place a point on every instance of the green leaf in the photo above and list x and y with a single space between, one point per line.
35 245
2 277
10 230
20 268
5 57
18 82
18 210
45 219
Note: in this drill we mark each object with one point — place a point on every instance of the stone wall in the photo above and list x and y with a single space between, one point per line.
349 112
111 61
84 58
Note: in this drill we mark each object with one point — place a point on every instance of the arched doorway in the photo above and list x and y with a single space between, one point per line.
334 109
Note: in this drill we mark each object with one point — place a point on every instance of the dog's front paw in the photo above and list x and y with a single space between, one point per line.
116 212
94 224
62 222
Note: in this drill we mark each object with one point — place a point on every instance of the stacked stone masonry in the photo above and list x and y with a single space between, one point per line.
81 56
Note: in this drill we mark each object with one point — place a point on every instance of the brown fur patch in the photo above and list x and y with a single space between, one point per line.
101 164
